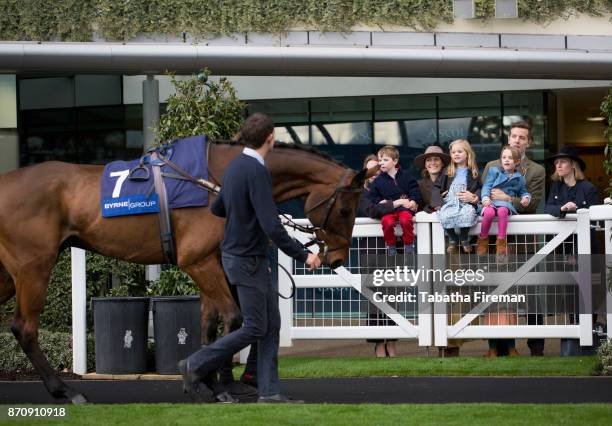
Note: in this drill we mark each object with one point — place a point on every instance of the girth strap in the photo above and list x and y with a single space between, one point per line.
165 222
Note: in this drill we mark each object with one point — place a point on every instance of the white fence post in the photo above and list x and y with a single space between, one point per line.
608 237
608 255
285 305
439 287
583 229
79 311
423 233
604 212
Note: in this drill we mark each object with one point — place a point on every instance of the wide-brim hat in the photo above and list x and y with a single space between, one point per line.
431 151
567 152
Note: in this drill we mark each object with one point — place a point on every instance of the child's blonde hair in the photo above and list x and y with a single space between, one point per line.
390 151
471 158
516 156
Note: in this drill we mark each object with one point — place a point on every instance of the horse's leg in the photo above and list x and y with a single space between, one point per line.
31 286
210 331
208 320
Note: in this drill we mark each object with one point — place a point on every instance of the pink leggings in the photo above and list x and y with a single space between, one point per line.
488 214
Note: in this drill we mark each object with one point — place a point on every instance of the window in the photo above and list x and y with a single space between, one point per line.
475 117
405 121
289 117
528 106
341 121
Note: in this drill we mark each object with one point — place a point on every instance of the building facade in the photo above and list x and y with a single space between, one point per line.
93 112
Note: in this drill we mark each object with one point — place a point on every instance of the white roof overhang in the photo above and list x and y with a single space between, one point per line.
149 58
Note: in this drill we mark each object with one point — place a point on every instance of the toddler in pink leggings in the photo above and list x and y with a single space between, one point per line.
509 179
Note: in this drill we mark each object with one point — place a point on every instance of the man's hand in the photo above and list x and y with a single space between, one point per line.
499 195
313 261
569 207
525 201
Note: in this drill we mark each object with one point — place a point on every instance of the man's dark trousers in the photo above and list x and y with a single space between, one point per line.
260 323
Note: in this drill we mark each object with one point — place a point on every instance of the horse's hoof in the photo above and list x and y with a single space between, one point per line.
79 399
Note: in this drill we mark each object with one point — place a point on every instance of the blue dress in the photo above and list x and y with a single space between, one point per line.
454 213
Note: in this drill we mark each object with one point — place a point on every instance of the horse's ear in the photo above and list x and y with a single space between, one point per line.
362 176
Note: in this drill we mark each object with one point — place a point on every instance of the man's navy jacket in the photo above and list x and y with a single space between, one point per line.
251 216
387 188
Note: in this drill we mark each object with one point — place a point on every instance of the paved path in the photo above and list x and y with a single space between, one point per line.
386 390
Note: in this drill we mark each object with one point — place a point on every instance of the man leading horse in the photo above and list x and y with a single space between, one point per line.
247 204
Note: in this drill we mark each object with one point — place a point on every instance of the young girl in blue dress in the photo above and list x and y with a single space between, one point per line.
459 209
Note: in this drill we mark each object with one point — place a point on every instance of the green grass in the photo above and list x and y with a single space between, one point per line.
330 414
410 366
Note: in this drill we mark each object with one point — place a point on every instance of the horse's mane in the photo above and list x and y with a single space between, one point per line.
284 145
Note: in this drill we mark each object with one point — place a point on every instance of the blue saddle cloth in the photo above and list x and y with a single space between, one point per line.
128 189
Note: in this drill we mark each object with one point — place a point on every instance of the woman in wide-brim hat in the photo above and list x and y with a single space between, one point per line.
569 190
432 186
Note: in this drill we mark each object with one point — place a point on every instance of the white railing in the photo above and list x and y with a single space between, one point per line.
416 321
343 278
565 278
504 278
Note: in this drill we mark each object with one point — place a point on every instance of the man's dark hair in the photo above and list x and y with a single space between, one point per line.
256 129
522 124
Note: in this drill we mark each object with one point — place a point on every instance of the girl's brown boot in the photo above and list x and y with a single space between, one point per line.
482 246
501 249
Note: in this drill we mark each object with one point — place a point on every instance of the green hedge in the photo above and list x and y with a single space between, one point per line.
75 20
56 346
605 358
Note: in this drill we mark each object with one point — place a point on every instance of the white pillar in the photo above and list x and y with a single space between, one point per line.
150 109
152 272
150 118
79 311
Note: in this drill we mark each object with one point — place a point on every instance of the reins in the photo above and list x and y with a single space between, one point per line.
307 229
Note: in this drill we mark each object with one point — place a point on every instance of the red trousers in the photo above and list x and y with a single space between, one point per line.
405 220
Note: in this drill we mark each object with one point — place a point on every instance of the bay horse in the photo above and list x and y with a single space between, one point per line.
47 207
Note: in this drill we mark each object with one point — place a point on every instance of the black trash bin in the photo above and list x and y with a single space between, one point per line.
176 329
120 329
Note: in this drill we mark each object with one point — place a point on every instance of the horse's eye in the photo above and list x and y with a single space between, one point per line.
344 211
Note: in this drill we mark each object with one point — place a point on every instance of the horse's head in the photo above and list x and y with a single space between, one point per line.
332 209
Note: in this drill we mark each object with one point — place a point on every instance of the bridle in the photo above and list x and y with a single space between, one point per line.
321 229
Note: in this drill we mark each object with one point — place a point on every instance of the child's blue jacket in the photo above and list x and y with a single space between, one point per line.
515 186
